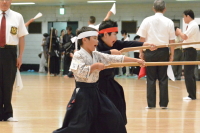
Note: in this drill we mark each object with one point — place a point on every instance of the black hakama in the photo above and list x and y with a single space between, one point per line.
107 83
90 111
113 90
54 65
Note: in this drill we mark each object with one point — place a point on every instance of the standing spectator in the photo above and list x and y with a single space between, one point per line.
191 34
54 53
92 21
12 32
62 33
159 30
43 59
68 49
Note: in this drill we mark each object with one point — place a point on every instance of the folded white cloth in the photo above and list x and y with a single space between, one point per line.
170 73
18 81
38 16
113 9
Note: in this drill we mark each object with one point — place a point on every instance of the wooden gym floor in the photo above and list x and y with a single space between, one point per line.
40 106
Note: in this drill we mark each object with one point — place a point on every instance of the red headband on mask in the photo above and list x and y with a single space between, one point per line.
113 29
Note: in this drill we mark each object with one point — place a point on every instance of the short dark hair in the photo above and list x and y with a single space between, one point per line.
84 29
159 5
189 12
92 19
45 34
107 24
123 32
69 28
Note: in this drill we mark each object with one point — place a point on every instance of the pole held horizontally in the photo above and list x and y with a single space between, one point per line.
158 46
153 63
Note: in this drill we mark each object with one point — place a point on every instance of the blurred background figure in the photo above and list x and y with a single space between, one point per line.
136 69
62 55
54 65
178 56
125 38
92 21
68 50
62 33
43 58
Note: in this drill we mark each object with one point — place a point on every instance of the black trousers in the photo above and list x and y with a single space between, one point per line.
137 68
178 56
8 56
154 73
190 54
197 70
54 65
67 63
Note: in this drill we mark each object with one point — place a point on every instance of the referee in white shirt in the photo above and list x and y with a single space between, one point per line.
191 34
159 30
12 32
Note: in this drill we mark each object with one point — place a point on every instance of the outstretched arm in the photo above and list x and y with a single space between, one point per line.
108 16
30 21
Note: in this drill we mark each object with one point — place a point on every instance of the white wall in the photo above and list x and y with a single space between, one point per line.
81 13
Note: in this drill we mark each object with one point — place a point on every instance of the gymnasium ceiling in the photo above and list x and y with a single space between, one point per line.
84 2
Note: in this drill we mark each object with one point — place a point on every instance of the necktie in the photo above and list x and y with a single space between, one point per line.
3 31
186 27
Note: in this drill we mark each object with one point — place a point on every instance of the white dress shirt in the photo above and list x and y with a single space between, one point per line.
193 35
157 29
14 24
94 26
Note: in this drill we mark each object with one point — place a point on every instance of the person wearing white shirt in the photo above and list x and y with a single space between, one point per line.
92 20
12 32
191 34
159 30
177 69
43 54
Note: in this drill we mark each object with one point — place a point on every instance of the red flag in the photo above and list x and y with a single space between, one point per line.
142 72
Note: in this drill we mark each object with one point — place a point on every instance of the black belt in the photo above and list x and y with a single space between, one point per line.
84 85
9 46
